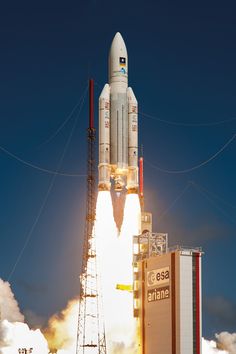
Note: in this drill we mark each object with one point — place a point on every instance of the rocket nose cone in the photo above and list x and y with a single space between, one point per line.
118 59
118 43
118 37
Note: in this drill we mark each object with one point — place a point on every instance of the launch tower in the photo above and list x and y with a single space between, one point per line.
91 332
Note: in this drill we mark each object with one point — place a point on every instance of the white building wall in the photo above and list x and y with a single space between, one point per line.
186 305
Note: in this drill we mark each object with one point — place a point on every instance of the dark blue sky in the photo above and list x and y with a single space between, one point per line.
182 59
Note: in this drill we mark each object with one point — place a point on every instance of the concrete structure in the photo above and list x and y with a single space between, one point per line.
167 299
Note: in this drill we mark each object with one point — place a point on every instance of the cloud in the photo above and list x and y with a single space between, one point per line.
18 335
13 332
210 347
8 305
227 341
62 328
61 331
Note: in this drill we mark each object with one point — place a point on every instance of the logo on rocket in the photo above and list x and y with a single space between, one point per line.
118 125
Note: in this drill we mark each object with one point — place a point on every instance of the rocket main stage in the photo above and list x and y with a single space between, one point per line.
118 125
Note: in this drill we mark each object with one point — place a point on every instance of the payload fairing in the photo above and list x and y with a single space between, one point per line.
118 125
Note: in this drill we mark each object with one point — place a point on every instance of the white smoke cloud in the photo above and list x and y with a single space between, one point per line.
18 335
210 347
225 344
62 329
227 341
15 334
61 332
9 308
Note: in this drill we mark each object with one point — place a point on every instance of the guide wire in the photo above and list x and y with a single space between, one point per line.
212 202
42 207
163 214
194 167
68 118
185 124
42 169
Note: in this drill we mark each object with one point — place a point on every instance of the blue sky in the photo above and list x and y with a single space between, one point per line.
182 69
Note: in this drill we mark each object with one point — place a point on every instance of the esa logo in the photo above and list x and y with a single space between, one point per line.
158 276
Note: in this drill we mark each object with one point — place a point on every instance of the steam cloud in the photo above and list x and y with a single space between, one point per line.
62 328
9 308
227 341
14 333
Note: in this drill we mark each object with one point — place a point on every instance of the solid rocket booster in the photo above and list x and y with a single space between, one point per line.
118 125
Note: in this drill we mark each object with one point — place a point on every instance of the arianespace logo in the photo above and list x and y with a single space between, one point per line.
158 276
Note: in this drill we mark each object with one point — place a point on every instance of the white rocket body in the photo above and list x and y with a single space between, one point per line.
118 125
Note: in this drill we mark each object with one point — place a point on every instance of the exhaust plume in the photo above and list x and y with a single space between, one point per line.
61 331
116 257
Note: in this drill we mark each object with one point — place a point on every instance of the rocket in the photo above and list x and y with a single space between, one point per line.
118 125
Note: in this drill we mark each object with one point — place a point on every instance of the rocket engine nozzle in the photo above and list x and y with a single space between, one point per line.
132 190
119 184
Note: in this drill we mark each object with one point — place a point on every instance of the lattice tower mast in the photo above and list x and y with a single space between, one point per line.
91 331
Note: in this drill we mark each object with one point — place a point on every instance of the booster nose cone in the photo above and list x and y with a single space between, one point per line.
118 60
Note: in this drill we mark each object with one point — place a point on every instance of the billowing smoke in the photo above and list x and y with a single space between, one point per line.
9 308
61 331
227 341
15 335
225 344
121 329
210 347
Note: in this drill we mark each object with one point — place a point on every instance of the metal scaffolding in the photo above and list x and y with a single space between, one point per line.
91 331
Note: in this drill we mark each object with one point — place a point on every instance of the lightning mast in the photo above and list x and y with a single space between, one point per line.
91 332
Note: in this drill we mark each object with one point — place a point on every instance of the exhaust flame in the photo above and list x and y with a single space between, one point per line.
116 256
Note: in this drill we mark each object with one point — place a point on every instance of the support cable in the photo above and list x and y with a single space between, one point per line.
165 212
68 118
51 185
214 195
181 124
39 168
185 124
197 166
42 169
199 189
